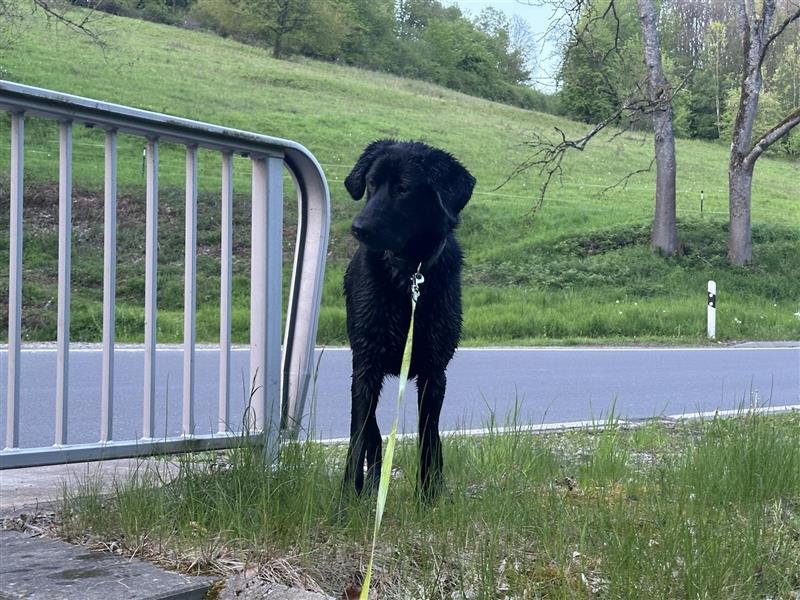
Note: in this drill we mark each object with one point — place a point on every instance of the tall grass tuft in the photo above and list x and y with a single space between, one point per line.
745 461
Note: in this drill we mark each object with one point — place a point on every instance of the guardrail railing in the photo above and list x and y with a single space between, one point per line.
281 375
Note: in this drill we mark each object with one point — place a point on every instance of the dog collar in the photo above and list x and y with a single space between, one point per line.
406 264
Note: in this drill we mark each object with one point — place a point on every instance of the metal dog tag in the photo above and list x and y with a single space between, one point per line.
416 280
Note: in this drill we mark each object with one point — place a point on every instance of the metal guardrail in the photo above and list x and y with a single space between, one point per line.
281 375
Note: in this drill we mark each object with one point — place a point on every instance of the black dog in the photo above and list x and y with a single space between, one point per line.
414 195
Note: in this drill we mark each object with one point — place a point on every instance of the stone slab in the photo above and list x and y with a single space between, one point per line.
36 568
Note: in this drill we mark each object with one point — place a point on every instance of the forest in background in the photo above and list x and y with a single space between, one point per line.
701 47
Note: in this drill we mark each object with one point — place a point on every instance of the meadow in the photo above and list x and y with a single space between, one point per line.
578 270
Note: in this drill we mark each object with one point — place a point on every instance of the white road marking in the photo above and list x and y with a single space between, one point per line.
594 425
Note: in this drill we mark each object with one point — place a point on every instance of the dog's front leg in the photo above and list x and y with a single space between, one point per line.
430 395
365 437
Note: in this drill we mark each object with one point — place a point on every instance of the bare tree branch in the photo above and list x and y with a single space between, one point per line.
783 128
775 34
11 15
623 183
548 154
570 28
82 25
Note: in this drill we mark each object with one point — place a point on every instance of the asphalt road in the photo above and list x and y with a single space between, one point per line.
538 385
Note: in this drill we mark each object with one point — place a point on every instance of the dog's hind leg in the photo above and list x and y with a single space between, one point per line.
430 395
364 433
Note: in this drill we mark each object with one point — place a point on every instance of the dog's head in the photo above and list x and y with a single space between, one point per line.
414 194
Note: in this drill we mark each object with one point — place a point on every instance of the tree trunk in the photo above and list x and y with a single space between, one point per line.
664 237
277 46
717 92
740 243
740 173
740 170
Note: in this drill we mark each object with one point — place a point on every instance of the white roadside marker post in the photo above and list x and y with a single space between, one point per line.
712 310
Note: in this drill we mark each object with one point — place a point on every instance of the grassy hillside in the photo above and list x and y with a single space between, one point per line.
580 269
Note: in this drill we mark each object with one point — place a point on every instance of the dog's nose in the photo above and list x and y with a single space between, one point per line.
358 232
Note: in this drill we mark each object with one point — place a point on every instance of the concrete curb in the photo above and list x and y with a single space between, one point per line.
34 489
37 568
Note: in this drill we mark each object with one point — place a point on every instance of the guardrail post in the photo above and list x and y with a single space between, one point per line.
109 285
189 289
15 277
225 292
305 293
150 287
265 297
64 270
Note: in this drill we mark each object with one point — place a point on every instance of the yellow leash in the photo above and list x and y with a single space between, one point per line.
386 467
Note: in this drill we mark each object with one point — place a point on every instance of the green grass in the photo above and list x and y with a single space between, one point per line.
707 509
580 270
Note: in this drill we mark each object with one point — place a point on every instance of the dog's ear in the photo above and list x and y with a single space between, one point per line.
355 182
452 183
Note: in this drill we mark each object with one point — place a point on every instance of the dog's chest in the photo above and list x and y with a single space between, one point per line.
379 311
378 317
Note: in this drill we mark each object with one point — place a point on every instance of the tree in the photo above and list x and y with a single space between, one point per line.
601 67
11 15
327 28
279 18
757 37
716 44
371 41
316 28
413 16
523 43
664 236
510 59
786 78
601 59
